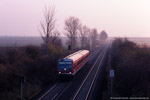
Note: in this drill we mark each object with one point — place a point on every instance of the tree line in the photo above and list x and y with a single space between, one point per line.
74 30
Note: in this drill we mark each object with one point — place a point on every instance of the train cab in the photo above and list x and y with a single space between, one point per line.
65 66
71 64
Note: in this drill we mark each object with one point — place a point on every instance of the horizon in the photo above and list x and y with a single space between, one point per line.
67 37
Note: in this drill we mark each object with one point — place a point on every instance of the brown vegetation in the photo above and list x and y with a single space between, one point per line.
132 69
38 69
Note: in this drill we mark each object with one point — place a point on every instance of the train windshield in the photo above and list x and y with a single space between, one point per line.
65 66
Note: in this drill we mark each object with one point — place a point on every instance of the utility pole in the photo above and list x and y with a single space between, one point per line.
21 81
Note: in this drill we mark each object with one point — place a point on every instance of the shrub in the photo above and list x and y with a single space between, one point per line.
132 70
32 52
39 71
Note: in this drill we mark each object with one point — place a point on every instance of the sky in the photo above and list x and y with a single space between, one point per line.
119 18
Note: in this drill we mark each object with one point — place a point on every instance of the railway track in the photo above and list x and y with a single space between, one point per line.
83 92
94 53
57 89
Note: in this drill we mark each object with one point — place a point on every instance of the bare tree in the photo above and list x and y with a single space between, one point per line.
88 42
47 27
83 33
103 35
71 28
94 35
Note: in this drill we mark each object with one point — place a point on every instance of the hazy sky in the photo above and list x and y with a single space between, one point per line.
127 18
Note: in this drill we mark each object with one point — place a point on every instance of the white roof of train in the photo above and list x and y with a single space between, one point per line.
77 55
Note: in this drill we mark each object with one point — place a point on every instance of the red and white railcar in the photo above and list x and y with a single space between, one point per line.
71 64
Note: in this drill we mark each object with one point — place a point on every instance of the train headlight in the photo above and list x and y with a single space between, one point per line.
70 72
59 72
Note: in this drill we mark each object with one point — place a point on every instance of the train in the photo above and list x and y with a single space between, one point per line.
71 64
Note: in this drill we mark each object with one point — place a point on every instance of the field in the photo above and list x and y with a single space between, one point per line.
24 41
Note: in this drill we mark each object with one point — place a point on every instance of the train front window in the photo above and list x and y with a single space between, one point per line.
65 66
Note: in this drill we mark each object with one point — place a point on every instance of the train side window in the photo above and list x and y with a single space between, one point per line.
80 61
86 56
75 65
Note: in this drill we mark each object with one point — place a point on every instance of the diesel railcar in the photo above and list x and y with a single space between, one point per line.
71 64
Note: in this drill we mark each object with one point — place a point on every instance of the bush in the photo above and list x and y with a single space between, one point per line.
132 68
38 69
32 52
